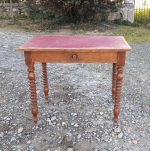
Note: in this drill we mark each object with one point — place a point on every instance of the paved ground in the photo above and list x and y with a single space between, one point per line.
79 115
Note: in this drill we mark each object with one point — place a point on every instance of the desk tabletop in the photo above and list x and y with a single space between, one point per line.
76 42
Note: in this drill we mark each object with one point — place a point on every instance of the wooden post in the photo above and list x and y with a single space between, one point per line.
11 11
114 79
32 85
120 65
45 81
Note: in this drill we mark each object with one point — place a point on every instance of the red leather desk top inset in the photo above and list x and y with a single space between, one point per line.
57 42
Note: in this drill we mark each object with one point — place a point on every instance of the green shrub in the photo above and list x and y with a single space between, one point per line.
69 11
127 23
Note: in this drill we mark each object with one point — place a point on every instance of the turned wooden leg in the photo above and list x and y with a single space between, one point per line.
118 93
32 85
45 81
114 79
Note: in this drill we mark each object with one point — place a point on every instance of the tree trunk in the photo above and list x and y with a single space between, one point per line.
11 11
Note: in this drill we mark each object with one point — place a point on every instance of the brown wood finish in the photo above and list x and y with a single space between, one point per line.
114 78
45 81
120 65
76 55
68 57
94 50
32 85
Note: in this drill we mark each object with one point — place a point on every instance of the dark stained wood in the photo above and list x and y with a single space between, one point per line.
45 81
75 49
114 78
32 85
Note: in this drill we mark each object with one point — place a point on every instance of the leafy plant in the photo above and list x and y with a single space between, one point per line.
127 23
70 10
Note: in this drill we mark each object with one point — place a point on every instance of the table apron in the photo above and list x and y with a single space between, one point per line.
74 57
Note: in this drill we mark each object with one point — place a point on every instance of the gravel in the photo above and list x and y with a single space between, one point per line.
120 135
79 114
20 130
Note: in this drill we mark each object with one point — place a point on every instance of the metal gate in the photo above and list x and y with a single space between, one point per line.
142 10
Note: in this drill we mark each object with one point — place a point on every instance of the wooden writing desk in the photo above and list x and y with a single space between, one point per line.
75 49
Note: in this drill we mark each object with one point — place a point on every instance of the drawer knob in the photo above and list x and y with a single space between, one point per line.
74 57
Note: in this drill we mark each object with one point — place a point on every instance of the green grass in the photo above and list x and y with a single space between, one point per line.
133 34
4 17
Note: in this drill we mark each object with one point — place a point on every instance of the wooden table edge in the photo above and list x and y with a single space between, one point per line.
73 49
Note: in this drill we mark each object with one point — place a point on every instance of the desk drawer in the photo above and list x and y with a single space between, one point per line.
74 57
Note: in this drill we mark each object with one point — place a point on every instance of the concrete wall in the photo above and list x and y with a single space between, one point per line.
126 12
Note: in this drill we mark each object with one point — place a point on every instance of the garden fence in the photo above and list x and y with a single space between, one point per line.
142 10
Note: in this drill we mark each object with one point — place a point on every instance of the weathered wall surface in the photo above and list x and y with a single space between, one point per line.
126 12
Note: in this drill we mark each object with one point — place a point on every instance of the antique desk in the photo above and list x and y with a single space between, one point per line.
75 49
